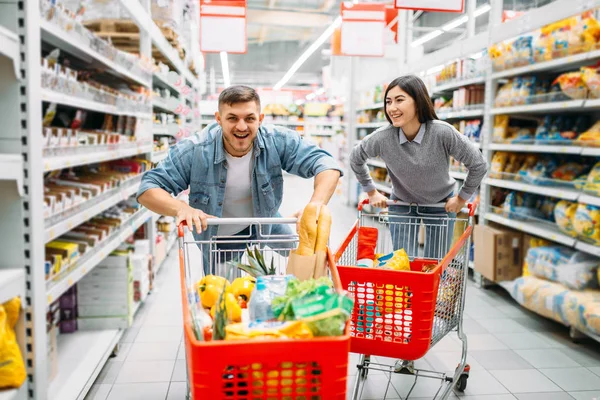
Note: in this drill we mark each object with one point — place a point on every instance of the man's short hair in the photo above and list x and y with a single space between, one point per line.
238 94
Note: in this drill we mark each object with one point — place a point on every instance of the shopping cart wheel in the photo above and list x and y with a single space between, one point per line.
461 383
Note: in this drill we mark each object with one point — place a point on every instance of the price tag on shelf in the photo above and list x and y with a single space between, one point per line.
186 90
553 237
70 282
50 298
52 234
83 270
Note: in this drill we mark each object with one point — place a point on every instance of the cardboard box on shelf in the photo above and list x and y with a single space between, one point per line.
498 253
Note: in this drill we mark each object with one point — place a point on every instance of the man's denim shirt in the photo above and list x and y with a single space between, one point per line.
199 162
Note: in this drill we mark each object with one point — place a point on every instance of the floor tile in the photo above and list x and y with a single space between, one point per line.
376 388
547 358
124 349
448 343
179 372
139 391
515 311
502 325
146 371
488 397
471 326
595 370
527 341
160 334
573 379
539 324
484 342
151 351
177 391
161 319
583 356
448 361
593 395
481 383
130 335
181 352
109 372
99 391
525 381
544 396
421 387
500 360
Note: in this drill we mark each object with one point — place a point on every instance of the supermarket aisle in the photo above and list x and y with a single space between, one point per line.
513 354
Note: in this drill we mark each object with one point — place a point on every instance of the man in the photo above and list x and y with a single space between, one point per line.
234 169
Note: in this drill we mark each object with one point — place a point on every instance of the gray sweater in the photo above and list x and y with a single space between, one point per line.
419 170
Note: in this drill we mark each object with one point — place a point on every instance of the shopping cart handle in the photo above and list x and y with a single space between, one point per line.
241 221
469 209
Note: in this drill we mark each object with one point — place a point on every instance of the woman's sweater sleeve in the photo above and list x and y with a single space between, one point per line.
463 150
365 149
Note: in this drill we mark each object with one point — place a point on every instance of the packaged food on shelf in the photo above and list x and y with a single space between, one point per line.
12 366
572 84
581 309
586 223
590 137
540 296
564 214
573 269
523 206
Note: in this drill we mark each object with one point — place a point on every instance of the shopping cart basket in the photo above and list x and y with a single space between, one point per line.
260 369
402 314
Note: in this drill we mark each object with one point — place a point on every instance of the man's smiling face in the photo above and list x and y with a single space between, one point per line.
240 123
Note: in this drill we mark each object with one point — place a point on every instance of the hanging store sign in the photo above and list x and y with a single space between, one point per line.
363 29
457 6
223 26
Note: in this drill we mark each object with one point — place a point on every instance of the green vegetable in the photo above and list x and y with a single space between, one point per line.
325 313
282 306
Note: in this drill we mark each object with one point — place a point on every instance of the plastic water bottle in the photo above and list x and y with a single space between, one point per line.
260 303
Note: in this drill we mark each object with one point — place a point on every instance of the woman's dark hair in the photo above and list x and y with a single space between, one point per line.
415 88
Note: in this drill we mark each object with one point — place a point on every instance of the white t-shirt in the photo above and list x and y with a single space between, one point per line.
238 192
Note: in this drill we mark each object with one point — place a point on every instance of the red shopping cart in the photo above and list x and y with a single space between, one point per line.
265 369
402 314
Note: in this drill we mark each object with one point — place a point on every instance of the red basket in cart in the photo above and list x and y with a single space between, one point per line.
401 314
262 369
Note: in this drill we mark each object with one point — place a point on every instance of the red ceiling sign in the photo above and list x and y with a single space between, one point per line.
363 29
223 26
457 6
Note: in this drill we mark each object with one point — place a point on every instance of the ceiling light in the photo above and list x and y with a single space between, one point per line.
455 23
482 10
225 67
308 52
427 37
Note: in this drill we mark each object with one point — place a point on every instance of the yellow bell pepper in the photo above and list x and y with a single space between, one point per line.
234 311
242 287
218 281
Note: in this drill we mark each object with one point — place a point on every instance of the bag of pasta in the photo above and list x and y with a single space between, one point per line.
564 213
12 368
586 222
592 184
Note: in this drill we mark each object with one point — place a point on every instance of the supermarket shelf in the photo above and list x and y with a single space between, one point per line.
72 218
11 169
207 121
588 248
535 228
170 244
371 124
170 129
558 65
163 81
457 84
460 114
373 106
383 188
14 394
72 101
81 357
162 105
9 47
536 148
82 155
158 156
592 103
320 133
12 284
144 21
56 288
559 193
281 122
376 163
461 176
569 105
589 199
56 36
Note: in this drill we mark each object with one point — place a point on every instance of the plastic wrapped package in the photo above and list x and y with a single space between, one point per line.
564 213
591 78
587 223
498 164
582 310
573 269
591 137
167 13
592 183
12 367
538 295
571 84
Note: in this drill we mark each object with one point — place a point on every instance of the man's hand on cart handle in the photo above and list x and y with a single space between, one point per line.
378 200
455 204
193 217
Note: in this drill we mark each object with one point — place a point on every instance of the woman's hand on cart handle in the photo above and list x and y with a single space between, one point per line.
455 204
378 200
193 218
470 209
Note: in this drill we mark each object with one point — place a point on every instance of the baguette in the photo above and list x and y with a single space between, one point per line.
323 229
308 230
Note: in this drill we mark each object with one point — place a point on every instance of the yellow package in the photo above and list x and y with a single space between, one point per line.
500 128
586 222
268 330
498 164
571 84
398 261
591 137
12 367
564 213
592 184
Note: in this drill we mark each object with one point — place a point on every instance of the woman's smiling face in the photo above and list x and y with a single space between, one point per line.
400 107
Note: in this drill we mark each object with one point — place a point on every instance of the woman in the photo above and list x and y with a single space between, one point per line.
416 148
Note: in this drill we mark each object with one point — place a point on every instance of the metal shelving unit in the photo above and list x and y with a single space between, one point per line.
24 160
